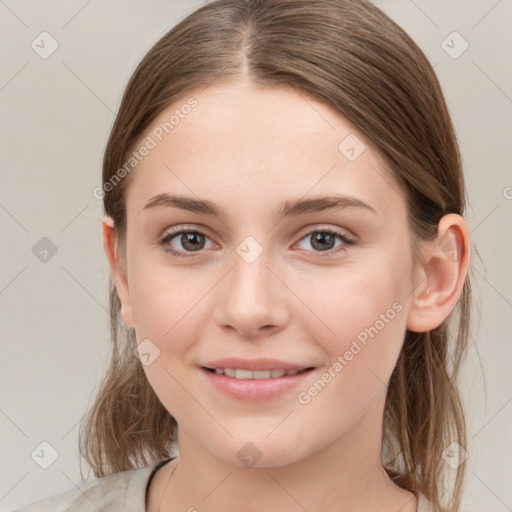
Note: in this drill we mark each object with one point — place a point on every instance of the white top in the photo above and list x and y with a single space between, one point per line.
125 491
119 492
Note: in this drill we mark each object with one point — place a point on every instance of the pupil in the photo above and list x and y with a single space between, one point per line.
190 241
324 240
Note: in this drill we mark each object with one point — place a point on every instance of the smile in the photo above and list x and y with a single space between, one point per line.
254 385
257 374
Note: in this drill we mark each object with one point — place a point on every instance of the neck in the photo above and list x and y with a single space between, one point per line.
344 475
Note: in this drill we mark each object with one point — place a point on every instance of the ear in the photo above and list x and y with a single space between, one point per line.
118 270
441 276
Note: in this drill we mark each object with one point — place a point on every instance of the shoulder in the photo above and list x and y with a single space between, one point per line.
124 491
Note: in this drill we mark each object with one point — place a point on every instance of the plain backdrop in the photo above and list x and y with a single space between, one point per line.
56 113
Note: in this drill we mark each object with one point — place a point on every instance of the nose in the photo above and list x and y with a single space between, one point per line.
252 299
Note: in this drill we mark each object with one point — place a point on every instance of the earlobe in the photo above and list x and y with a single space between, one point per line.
117 270
442 275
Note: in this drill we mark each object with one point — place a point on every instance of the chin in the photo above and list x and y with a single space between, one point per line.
259 451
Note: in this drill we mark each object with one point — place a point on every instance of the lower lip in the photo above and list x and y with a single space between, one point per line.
254 389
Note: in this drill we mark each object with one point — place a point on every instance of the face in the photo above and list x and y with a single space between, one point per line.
266 270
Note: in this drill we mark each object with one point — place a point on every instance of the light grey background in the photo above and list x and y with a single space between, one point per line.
56 115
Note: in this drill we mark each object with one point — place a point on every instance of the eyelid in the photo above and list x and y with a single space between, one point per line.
302 232
180 228
313 228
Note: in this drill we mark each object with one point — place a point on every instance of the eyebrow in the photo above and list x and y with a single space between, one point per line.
287 209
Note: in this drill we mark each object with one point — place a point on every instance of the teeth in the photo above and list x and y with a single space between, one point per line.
257 374
261 374
244 374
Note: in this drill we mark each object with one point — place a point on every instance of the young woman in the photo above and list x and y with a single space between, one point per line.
284 205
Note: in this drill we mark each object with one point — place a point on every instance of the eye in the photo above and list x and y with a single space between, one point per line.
190 241
323 240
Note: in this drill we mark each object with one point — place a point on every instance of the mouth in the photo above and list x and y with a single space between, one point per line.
241 374
254 385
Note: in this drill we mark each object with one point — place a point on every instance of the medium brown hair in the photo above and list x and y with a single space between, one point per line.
351 56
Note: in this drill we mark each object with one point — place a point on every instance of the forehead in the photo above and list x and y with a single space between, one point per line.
270 142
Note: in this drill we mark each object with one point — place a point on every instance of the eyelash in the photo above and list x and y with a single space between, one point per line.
347 241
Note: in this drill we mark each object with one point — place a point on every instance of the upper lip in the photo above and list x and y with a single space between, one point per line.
254 364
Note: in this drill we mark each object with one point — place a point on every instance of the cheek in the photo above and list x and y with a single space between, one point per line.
360 319
369 331
165 312
163 298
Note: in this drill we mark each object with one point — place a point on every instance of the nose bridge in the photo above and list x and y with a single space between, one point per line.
250 277
252 295
250 280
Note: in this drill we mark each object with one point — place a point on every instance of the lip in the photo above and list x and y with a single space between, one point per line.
254 364
254 389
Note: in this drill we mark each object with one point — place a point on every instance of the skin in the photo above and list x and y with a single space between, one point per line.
248 149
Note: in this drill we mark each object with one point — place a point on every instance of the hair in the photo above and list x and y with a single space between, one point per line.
352 57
